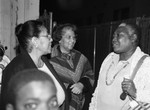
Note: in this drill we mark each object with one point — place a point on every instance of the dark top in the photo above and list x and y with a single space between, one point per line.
19 63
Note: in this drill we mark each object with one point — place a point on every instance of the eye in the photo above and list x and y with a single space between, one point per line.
53 103
30 106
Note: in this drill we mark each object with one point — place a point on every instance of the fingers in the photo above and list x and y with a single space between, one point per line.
129 87
126 85
76 88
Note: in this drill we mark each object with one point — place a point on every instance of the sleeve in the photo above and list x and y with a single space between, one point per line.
93 103
87 78
94 100
87 85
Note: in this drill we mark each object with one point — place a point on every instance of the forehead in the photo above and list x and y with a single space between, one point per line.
67 30
36 90
122 29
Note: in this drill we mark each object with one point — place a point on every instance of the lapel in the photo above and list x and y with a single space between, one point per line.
51 68
28 61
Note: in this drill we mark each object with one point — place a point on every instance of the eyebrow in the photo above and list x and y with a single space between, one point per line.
37 99
54 96
32 99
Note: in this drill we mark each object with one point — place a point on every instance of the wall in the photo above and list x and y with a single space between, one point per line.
13 12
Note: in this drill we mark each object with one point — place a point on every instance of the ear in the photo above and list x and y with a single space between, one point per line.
134 38
9 107
59 41
34 41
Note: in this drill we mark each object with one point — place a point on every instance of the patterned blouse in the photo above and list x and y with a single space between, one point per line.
73 68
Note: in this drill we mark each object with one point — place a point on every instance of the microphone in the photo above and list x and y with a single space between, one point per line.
123 96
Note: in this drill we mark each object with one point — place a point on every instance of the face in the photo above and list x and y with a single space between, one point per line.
44 41
37 95
68 40
122 42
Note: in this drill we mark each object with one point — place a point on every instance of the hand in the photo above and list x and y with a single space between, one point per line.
77 88
129 88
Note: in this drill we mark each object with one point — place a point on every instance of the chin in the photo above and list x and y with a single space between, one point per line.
48 52
70 48
116 51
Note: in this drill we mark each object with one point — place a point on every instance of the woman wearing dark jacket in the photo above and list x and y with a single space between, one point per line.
34 42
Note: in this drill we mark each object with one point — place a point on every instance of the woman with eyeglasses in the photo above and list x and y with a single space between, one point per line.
34 42
72 66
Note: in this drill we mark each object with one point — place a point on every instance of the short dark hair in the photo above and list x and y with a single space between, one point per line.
58 31
22 78
26 31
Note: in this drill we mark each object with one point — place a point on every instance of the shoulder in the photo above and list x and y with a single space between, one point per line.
10 69
109 58
54 51
110 55
15 63
78 53
146 61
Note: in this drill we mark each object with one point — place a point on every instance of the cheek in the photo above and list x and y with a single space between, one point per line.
63 42
126 42
45 43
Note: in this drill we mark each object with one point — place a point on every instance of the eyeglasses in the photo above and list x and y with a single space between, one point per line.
69 37
47 36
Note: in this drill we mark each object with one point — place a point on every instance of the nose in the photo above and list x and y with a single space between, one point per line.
73 39
114 38
47 107
50 38
44 107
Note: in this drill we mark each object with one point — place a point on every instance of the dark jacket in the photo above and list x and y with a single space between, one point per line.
21 62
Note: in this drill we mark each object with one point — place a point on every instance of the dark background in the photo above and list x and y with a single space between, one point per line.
102 15
79 12
93 12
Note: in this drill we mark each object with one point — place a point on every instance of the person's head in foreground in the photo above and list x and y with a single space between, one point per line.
31 90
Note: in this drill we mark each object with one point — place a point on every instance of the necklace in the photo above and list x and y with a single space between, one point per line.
112 80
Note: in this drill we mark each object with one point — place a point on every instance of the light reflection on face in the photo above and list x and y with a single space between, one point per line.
45 41
37 95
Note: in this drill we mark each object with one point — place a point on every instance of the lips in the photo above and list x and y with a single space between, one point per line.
115 45
71 44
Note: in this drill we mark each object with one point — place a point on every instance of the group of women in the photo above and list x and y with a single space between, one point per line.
70 69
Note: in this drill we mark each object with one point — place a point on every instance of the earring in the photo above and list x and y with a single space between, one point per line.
36 45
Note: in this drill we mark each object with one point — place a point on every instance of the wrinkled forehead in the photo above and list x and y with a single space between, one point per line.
122 29
68 31
67 28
